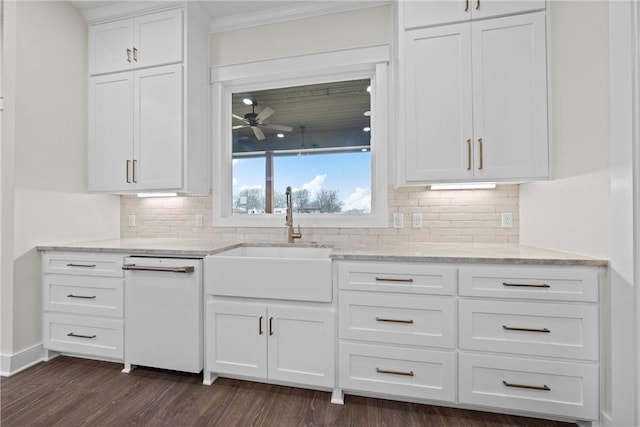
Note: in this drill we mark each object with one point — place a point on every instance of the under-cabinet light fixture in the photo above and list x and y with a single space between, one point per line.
464 186
157 194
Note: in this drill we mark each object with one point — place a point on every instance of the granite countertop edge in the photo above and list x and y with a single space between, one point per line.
494 253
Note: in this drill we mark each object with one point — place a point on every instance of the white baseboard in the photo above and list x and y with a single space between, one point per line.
11 364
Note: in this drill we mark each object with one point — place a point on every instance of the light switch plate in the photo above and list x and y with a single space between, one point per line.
507 220
132 220
416 220
398 220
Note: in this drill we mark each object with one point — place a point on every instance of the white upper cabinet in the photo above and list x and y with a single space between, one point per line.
143 41
421 13
474 101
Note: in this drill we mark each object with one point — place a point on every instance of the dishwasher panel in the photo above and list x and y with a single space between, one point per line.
163 313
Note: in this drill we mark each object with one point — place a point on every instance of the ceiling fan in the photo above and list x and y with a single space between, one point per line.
256 120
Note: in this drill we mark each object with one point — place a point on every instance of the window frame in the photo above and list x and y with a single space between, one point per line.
348 64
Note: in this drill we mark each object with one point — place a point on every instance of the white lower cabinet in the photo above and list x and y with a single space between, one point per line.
280 342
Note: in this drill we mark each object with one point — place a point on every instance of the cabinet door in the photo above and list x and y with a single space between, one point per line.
236 338
111 47
301 345
158 124
437 105
510 97
158 39
110 131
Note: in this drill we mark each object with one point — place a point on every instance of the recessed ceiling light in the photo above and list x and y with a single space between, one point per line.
366 128
280 135
248 101
367 113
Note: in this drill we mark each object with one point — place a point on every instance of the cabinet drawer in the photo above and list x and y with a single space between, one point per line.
398 319
101 296
542 386
531 282
558 330
83 263
397 371
412 278
84 335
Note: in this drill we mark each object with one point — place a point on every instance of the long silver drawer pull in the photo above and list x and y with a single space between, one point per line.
384 371
526 285
81 296
384 279
71 334
82 265
530 387
510 328
185 269
382 319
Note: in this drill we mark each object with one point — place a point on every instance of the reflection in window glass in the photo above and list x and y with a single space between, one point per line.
314 138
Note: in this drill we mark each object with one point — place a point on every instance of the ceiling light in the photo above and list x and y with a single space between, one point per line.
464 186
280 135
364 150
157 194
366 128
369 88
247 101
367 113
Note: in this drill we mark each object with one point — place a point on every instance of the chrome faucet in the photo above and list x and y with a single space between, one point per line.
291 235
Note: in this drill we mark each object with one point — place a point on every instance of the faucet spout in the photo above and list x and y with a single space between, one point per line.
291 235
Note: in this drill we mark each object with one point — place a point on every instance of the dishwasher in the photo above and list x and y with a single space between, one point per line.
163 313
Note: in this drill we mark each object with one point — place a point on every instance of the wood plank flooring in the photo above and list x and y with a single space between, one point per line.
77 392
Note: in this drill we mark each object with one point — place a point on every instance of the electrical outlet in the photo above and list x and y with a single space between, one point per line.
199 220
132 220
398 220
416 220
507 220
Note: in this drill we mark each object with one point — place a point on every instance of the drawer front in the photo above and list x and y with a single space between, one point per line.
414 278
398 318
84 335
567 283
557 330
404 372
83 263
100 296
542 386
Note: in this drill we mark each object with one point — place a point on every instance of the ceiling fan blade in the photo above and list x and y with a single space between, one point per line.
279 127
266 112
239 127
258 133
235 116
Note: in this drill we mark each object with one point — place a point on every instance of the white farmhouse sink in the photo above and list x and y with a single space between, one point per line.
275 272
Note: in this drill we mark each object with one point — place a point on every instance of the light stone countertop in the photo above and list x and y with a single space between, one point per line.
489 253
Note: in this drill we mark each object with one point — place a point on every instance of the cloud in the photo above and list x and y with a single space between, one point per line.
360 199
236 162
235 181
315 185
250 187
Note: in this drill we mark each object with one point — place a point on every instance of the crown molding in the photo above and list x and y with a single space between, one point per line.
127 9
305 9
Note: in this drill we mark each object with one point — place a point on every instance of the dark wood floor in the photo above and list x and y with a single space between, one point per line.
77 392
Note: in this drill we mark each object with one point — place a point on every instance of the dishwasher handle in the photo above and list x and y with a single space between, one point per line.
185 269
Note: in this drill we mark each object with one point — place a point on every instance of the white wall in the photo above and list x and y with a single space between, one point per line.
364 27
46 103
572 211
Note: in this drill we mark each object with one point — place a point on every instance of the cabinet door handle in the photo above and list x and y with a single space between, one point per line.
127 166
511 328
530 387
129 55
81 296
81 265
135 163
385 371
135 54
468 154
383 279
382 319
466 5
271 326
89 337
480 145
260 331
525 285
478 5
134 267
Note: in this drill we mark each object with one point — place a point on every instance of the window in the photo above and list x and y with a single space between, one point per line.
298 122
